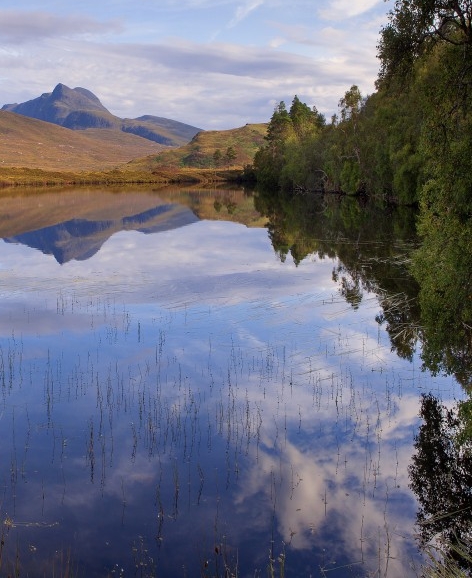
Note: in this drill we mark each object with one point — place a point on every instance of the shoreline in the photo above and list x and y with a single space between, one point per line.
24 176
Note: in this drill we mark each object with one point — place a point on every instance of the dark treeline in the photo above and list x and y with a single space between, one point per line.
373 147
409 141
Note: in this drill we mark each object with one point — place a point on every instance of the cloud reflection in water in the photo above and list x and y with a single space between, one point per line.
190 384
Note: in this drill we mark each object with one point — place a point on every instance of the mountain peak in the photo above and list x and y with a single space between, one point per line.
59 90
76 98
87 93
58 105
79 109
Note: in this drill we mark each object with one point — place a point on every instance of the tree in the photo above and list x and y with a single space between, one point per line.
269 159
305 120
217 156
350 106
416 26
302 158
279 129
230 155
427 48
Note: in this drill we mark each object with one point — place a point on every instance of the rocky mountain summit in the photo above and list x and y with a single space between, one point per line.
79 109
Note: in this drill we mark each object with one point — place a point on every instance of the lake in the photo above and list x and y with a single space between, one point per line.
192 388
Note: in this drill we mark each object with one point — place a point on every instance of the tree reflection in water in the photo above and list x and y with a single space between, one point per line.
373 243
372 248
441 477
424 287
441 472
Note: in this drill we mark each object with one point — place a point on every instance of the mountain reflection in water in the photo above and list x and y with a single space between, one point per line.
194 402
80 239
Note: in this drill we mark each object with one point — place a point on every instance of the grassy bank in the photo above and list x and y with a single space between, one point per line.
18 176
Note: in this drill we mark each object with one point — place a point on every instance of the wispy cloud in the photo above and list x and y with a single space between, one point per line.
343 9
217 85
244 10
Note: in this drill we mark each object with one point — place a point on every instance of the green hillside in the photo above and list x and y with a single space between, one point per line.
209 149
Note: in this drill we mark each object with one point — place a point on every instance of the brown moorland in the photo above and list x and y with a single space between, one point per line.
36 144
34 152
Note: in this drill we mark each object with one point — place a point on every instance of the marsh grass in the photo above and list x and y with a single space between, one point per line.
143 400
169 412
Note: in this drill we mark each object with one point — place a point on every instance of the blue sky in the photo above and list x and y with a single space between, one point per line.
214 64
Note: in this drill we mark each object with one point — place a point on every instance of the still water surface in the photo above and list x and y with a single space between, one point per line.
176 399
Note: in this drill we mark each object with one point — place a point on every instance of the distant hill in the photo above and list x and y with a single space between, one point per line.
79 109
69 130
209 149
27 142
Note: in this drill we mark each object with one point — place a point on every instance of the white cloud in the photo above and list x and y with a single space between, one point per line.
159 60
219 85
21 27
277 42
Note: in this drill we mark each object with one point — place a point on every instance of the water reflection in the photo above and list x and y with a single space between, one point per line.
378 252
80 239
441 477
187 400
75 224
373 244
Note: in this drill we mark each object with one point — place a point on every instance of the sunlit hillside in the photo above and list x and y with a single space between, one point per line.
38 152
209 149
27 142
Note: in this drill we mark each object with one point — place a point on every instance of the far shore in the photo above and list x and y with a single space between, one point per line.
22 176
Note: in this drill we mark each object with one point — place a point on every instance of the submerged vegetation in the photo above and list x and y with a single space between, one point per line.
191 386
188 410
